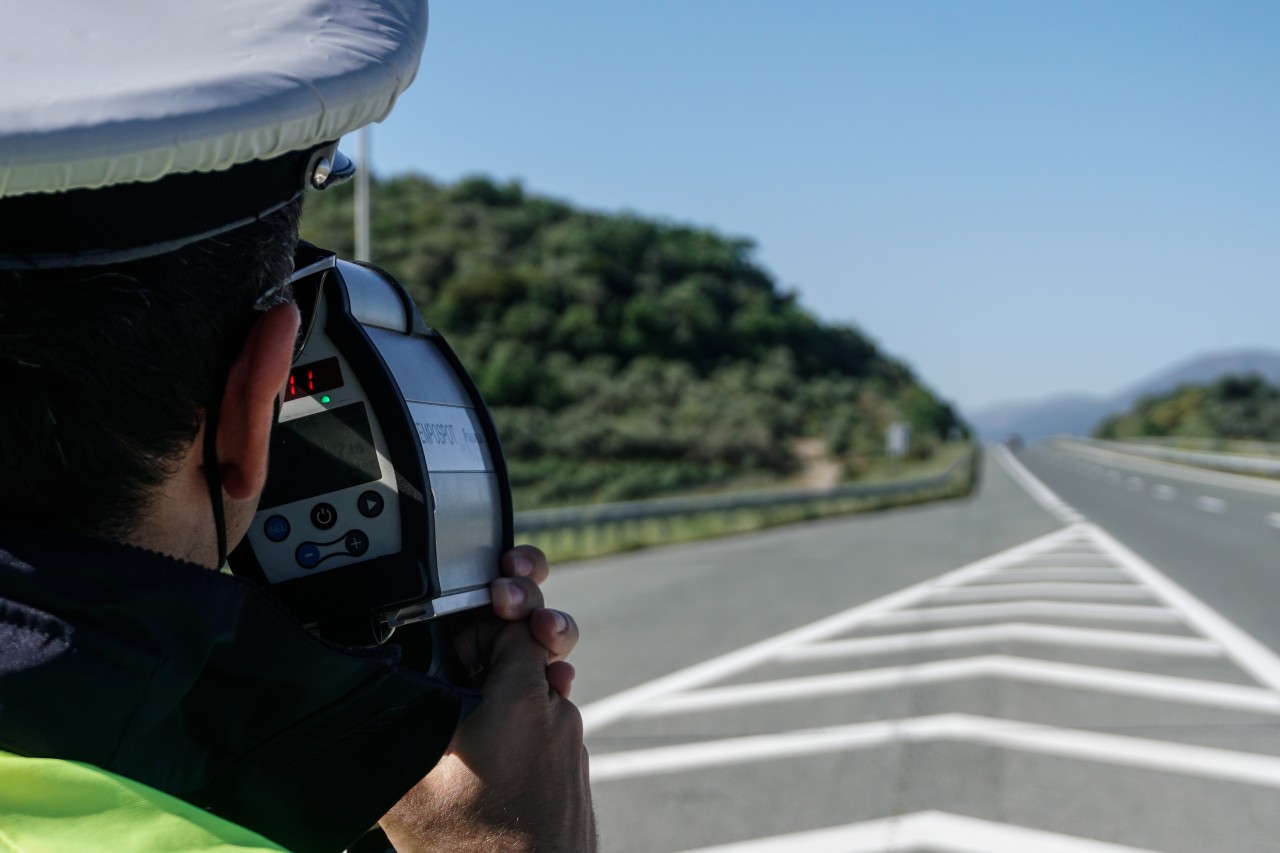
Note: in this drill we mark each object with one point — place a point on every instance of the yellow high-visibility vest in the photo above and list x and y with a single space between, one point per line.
51 806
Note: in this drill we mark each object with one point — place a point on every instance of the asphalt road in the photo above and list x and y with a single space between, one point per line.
1216 534
1077 658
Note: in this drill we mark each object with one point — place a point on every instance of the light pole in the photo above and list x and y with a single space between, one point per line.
363 171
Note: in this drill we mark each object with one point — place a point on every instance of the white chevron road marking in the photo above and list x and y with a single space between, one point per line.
1041 590
605 711
1121 750
1026 610
1061 574
1167 688
935 831
1008 632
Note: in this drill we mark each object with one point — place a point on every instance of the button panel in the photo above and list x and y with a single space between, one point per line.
320 536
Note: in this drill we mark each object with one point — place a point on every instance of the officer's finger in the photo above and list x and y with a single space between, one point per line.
525 561
515 598
556 630
560 677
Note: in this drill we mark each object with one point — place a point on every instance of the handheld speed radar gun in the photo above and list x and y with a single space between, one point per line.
387 500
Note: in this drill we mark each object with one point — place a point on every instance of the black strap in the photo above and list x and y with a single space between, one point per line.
213 478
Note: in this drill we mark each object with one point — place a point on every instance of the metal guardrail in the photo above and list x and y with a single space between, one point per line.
540 520
1210 445
1230 462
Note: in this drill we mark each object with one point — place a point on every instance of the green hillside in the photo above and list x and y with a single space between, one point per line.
626 357
1233 407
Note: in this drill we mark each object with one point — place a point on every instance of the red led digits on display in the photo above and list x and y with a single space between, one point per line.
314 378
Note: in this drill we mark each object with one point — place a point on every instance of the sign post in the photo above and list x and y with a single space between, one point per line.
897 440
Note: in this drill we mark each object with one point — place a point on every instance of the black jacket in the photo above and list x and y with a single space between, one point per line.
201 685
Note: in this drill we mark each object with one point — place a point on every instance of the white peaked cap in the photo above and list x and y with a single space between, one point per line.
103 94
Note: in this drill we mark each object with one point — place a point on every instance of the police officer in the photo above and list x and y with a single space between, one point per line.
151 170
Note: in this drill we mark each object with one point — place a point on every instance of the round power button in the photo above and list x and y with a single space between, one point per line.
324 516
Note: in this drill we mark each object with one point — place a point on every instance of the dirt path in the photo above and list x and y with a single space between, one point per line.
820 470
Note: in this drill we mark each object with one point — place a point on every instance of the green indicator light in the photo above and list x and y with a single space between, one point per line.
324 399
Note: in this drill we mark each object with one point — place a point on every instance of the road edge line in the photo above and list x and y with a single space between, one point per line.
1039 492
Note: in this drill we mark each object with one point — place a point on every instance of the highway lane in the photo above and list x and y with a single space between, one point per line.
1214 533
650 612
997 674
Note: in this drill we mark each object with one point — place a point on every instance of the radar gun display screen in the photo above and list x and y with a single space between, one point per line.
321 453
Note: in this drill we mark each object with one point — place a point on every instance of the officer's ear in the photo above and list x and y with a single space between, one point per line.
249 403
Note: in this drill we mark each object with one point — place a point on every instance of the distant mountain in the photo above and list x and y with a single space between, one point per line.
1078 414
1071 414
1206 368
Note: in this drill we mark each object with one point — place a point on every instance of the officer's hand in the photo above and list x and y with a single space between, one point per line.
517 596
515 777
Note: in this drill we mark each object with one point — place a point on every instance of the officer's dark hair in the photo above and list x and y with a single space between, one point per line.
106 372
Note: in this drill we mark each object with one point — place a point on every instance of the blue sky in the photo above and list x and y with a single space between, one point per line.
1017 198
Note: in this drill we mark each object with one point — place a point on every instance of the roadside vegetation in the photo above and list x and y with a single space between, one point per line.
1231 409
628 358
951 473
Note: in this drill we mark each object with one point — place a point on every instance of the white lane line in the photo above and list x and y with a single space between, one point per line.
1058 508
1256 658
1041 590
1134 484
1164 492
1273 519
1008 632
604 711
929 830
1122 750
1208 504
1005 611
1063 574
1170 688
